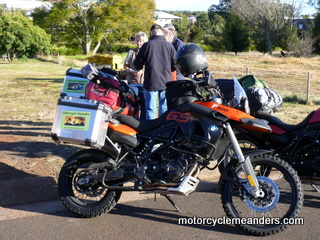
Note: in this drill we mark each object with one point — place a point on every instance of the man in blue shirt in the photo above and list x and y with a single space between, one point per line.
158 57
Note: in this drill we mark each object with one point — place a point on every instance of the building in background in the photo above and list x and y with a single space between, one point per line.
163 18
192 20
27 5
304 23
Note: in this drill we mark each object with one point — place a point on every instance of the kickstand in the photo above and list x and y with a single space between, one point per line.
315 188
171 201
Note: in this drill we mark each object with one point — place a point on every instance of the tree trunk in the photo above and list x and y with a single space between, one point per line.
9 57
96 47
88 46
270 49
270 46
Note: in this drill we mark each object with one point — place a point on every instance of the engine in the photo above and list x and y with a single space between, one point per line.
307 161
168 166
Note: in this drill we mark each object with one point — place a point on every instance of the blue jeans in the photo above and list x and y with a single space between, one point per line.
135 87
138 89
150 98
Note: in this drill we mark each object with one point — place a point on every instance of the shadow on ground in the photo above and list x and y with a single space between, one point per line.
29 162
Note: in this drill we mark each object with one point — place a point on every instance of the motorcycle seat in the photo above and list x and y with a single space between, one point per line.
145 125
279 123
139 124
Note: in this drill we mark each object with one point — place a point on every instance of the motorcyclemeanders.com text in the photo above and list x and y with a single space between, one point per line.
239 221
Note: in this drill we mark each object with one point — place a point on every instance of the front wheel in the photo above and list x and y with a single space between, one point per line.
80 186
282 201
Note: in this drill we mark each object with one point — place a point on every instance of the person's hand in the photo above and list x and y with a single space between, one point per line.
138 74
133 72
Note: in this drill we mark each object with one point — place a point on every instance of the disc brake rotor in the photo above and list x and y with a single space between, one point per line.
270 199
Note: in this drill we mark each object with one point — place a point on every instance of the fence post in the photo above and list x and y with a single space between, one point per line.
308 88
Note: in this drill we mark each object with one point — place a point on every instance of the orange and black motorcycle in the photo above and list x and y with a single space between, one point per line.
166 155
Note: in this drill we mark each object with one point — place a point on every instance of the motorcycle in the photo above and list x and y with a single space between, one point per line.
299 144
165 156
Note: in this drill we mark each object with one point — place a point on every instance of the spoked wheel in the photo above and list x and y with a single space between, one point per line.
272 213
248 145
80 187
245 145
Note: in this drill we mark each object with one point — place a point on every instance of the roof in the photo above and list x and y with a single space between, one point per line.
164 15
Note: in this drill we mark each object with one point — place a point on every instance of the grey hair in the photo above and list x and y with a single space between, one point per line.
169 35
141 35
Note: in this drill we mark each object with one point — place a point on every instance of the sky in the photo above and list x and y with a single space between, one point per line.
203 5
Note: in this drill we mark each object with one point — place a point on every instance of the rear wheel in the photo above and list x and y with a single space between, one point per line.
80 187
282 201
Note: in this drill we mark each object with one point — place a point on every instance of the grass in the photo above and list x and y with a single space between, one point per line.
30 89
288 76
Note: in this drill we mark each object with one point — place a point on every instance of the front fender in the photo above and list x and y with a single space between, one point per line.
255 152
229 173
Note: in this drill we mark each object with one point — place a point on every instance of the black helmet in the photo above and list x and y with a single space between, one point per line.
191 59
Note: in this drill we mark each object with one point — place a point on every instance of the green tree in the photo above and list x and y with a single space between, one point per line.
237 34
182 27
270 20
217 24
20 37
196 34
204 25
89 22
314 3
316 33
221 9
203 22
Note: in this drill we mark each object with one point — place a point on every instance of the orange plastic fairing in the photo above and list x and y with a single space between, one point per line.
232 113
121 128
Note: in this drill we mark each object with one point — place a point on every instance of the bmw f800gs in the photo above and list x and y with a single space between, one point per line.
166 155
299 144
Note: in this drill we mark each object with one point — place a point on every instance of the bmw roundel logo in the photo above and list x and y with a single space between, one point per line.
213 128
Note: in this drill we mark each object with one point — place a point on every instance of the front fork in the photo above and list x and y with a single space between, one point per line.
245 163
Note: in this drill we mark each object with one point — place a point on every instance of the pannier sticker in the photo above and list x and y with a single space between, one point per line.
75 120
74 86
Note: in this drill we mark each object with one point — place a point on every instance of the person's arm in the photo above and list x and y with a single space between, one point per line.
126 64
174 76
173 59
139 61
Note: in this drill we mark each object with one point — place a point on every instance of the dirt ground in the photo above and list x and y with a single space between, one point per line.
27 150
30 163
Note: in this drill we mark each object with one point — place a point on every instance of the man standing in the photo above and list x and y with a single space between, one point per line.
158 57
177 43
